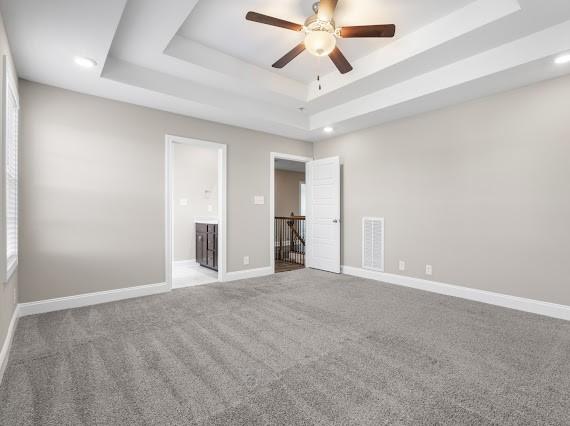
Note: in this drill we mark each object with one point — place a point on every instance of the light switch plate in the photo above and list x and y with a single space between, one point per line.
259 199
184 201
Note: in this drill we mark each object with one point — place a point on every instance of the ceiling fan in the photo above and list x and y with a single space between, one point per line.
321 34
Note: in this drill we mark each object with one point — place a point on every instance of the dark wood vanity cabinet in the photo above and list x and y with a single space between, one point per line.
207 245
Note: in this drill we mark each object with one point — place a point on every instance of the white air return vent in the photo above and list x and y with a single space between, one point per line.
373 243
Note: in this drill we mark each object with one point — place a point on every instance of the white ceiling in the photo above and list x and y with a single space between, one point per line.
201 58
262 45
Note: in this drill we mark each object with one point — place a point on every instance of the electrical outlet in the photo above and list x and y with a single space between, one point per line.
246 260
402 265
429 270
210 208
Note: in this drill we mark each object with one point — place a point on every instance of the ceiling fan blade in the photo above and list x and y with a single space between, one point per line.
296 51
340 61
275 22
326 9
368 31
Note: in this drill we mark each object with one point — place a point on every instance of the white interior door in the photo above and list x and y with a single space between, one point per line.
323 214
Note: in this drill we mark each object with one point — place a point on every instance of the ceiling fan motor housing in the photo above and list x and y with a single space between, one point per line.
313 23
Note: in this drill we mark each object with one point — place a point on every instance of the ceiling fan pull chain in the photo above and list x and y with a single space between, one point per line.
319 74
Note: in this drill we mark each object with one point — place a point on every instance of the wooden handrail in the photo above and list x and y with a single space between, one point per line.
290 223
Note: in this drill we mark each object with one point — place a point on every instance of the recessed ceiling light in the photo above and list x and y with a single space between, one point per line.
85 62
563 59
328 129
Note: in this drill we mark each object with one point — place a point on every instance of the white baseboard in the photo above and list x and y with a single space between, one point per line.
51 305
248 273
80 300
5 351
178 287
513 302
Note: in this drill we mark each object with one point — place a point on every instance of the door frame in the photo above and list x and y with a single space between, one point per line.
272 157
170 140
301 195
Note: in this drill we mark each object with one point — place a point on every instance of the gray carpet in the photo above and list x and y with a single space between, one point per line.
303 347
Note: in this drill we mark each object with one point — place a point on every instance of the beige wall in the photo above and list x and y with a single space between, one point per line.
92 191
195 171
481 191
287 192
8 291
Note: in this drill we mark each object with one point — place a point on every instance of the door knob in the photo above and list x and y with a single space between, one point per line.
335 220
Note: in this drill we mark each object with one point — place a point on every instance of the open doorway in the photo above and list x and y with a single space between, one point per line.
288 204
195 212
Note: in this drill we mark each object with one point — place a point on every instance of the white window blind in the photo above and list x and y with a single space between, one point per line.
11 172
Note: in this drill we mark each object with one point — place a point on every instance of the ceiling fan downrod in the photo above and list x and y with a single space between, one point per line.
316 7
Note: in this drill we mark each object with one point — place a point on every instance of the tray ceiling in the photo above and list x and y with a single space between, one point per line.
203 59
221 25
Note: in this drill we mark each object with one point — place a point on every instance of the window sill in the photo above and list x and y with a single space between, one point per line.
12 266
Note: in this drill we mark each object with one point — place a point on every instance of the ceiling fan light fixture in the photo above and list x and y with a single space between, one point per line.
320 43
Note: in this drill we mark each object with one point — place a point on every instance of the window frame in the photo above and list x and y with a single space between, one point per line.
9 90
